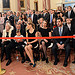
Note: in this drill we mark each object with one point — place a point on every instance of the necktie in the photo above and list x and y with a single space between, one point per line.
60 32
51 19
60 35
68 14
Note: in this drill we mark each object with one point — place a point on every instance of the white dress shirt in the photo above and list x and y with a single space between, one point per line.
32 17
69 26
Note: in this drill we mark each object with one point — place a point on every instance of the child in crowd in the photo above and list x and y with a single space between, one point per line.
19 45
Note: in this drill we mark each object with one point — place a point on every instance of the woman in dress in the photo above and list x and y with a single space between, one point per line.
31 43
45 32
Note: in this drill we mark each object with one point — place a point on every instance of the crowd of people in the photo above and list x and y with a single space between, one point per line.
32 23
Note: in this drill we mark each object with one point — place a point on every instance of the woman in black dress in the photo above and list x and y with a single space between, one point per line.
45 32
31 42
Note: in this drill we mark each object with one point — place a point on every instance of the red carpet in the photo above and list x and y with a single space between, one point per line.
16 68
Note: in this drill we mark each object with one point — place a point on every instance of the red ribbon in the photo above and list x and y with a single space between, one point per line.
56 37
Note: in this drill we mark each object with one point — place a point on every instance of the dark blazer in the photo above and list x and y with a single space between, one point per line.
65 33
72 15
11 19
53 16
35 19
68 28
73 27
38 16
46 17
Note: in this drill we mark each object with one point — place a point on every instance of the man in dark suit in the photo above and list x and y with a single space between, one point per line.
46 16
38 15
51 16
73 33
68 24
10 17
61 30
69 13
34 18
13 44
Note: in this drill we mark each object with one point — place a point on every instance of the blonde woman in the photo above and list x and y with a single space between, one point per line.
5 42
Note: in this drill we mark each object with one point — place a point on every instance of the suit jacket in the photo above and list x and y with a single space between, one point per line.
69 29
64 33
72 15
46 17
38 16
73 27
35 19
50 16
11 19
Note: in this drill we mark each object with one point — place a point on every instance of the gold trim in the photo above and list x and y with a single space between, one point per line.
6 8
2 71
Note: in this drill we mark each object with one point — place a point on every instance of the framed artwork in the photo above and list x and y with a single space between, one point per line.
6 3
22 4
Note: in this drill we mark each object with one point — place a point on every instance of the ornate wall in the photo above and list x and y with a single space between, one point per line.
42 4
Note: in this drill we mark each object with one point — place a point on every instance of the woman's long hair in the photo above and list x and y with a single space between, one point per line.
33 25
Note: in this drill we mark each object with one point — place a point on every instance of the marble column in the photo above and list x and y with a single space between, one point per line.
25 4
28 4
48 4
44 4
1 5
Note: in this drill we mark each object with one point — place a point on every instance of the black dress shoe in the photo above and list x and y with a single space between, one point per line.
8 63
73 62
47 60
34 65
23 60
31 63
65 64
56 62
